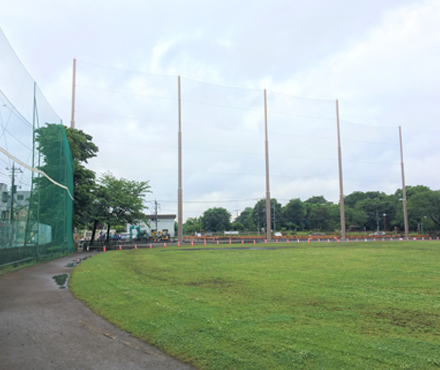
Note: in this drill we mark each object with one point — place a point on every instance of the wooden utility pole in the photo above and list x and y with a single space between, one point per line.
341 187
266 143
179 190
72 122
405 211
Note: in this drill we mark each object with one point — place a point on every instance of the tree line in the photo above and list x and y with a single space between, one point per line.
372 210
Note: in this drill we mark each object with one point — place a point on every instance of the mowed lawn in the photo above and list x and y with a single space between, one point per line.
313 306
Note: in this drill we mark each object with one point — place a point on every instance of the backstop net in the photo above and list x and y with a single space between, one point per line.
36 173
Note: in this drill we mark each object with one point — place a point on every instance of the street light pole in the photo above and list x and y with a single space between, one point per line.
385 222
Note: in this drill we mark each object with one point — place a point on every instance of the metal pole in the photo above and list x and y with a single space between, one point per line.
31 202
12 193
72 122
155 212
268 213
179 190
341 189
405 211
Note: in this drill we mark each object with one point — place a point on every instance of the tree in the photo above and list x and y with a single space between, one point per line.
334 216
216 219
82 149
119 201
374 209
294 213
355 216
244 218
238 226
259 214
425 204
192 225
309 205
319 216
413 212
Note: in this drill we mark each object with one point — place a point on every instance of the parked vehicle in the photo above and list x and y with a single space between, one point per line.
378 233
161 235
141 235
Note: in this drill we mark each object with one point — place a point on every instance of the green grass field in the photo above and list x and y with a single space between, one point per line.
315 306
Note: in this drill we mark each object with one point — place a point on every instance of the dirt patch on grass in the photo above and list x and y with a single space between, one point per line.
413 320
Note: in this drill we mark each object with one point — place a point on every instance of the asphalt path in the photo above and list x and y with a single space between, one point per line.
43 326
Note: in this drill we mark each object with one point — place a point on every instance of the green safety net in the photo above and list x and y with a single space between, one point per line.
36 170
41 222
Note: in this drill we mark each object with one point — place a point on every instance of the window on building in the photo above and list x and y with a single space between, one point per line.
20 197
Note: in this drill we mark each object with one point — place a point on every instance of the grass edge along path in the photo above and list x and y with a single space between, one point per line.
347 306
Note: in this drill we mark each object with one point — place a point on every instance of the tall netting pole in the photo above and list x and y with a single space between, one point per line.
266 142
179 191
72 122
405 211
341 187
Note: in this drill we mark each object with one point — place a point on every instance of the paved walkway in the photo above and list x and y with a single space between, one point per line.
43 326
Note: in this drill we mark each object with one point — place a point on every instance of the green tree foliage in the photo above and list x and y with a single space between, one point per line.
413 214
245 218
238 226
425 204
216 219
319 216
363 209
192 225
82 149
294 213
119 201
373 206
354 216
334 216
259 214
309 205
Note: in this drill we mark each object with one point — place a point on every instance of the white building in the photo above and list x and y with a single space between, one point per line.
21 202
164 223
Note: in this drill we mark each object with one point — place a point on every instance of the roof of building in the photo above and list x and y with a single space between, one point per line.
153 217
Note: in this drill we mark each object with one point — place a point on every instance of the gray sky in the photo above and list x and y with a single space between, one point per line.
379 58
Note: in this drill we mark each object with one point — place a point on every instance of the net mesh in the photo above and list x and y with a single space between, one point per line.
223 140
35 212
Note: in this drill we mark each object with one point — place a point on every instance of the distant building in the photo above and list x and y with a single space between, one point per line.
4 197
164 223
21 202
